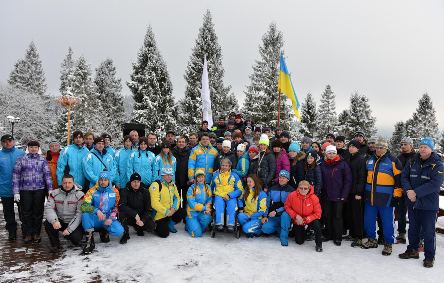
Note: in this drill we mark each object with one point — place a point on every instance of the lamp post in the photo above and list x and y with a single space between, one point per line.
68 101
12 120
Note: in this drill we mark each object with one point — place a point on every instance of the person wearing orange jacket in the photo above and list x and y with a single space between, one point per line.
52 156
302 207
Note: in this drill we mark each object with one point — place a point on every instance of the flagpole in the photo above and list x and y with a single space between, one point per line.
279 109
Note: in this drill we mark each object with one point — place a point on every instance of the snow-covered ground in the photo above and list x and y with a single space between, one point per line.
181 258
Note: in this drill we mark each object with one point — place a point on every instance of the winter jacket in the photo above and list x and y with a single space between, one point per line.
242 166
266 167
96 162
248 139
307 206
159 164
71 161
110 150
182 156
154 149
104 199
142 162
358 167
163 199
121 160
134 202
230 155
31 172
425 178
227 183
383 176
282 163
405 157
336 179
8 157
314 176
255 208
199 199
219 130
65 205
277 195
363 148
344 153
297 170
202 157
52 158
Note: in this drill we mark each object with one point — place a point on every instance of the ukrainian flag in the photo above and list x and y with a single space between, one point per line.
285 86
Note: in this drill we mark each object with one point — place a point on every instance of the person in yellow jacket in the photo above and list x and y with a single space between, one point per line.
165 201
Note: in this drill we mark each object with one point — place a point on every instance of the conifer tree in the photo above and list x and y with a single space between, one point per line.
360 116
309 116
426 123
343 126
398 134
327 113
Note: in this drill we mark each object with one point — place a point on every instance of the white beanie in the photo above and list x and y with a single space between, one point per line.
226 143
331 148
241 147
264 140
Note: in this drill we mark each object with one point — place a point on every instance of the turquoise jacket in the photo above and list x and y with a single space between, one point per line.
71 158
121 160
7 162
142 162
95 162
159 165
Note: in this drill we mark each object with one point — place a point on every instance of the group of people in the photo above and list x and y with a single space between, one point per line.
231 173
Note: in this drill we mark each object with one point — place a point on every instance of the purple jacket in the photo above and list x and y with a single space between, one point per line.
282 163
336 180
31 172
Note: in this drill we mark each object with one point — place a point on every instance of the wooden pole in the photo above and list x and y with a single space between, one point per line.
279 110
69 126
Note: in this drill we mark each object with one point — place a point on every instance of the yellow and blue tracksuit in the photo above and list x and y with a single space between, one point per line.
383 178
202 157
227 183
199 199
159 164
142 162
255 209
106 200
162 200
242 166
121 160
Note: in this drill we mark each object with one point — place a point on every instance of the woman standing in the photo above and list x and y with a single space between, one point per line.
165 159
52 156
281 157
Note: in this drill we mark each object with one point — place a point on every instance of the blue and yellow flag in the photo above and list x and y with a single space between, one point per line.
285 86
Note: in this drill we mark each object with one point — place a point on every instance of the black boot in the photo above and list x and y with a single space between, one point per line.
124 238
90 245
104 236
12 235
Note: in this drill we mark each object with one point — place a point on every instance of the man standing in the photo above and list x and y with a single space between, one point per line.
8 155
89 140
203 157
98 160
152 144
134 135
181 152
421 180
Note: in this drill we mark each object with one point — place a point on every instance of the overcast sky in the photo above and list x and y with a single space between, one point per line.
391 51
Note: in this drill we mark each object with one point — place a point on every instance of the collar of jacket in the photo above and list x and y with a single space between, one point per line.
33 155
9 149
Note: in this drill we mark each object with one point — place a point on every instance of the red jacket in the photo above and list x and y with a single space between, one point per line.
308 206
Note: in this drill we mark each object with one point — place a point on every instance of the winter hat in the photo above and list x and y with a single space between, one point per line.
99 139
428 142
284 173
264 140
135 177
199 172
54 142
253 148
238 116
359 133
220 140
105 135
307 140
227 133
104 175
340 139
276 143
407 140
313 154
241 147
354 143
166 171
325 145
226 143
381 142
295 147
7 137
331 148
212 135
371 140
33 143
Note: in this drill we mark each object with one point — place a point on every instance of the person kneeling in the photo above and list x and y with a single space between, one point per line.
99 211
165 201
135 208
303 208
255 207
63 213
198 205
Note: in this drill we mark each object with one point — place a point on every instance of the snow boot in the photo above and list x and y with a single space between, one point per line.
409 254
124 238
171 227
90 245
356 243
319 248
220 227
428 263
140 233
12 235
230 228
36 239
387 249
104 236
370 244
401 239
337 242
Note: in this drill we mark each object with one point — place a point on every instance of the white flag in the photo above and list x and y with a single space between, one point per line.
207 115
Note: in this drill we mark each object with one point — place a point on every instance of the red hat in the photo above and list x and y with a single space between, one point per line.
253 148
324 145
238 116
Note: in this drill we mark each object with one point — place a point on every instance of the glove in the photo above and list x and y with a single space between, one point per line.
17 197
397 192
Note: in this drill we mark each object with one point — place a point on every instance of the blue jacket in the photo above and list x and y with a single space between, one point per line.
277 195
158 165
104 199
202 158
199 199
72 156
110 150
93 164
121 160
7 162
425 178
242 166
142 162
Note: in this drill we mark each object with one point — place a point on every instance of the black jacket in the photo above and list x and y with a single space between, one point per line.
182 156
134 202
358 166
297 170
405 157
265 167
155 149
230 155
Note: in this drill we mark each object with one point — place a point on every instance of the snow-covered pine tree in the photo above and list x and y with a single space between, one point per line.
152 89
261 101
108 88
327 118
88 115
398 134
441 143
28 74
360 116
343 124
222 102
309 116
411 129
426 123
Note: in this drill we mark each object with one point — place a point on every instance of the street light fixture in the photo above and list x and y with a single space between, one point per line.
12 120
